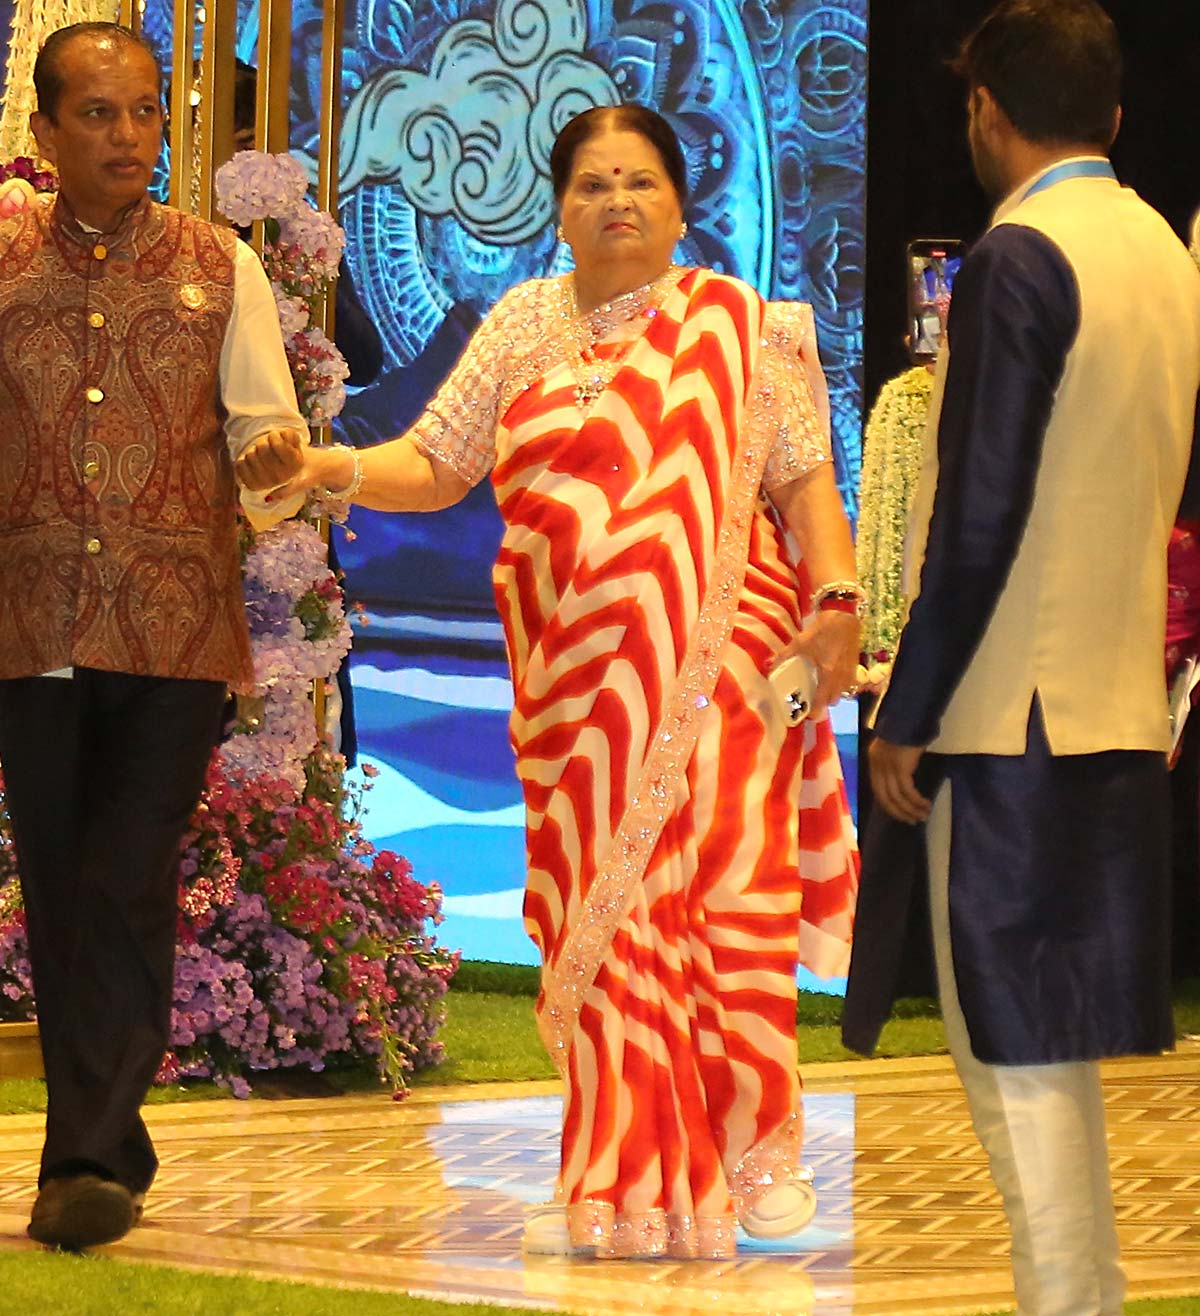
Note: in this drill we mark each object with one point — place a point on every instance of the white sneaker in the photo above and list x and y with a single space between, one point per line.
546 1233
785 1210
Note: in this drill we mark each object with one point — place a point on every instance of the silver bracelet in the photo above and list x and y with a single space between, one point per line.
356 479
841 589
335 503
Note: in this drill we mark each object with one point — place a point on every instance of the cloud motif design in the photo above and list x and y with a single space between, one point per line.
471 137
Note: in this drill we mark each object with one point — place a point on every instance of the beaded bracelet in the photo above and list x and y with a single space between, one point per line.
835 594
335 503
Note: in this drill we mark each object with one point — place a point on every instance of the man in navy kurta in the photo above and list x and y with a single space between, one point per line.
1031 665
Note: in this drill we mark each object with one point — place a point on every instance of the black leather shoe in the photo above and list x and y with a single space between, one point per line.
81 1211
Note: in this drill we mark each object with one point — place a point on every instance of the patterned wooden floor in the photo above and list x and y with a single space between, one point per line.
426 1197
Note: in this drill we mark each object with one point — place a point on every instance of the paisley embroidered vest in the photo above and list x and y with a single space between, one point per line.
118 537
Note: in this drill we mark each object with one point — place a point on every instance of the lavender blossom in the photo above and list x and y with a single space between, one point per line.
255 185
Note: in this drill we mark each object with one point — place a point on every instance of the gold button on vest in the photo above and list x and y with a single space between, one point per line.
93 546
91 469
95 394
99 251
96 320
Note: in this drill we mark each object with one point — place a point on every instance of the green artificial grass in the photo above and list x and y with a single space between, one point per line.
1187 1008
50 1284
489 1038
504 979
1148 1307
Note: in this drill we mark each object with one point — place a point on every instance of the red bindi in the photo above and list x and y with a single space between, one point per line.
617 171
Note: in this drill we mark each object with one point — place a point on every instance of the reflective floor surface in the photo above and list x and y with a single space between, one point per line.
426 1197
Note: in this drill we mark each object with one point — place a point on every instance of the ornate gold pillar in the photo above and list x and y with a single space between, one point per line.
332 27
201 103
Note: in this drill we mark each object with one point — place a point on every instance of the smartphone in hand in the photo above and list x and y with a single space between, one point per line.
794 683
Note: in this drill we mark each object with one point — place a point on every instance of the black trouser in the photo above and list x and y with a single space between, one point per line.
101 774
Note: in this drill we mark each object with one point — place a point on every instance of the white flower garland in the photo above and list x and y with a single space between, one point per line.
892 443
32 23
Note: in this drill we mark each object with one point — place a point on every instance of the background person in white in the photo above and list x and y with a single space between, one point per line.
1032 660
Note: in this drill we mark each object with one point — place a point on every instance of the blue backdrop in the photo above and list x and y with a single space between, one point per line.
451 108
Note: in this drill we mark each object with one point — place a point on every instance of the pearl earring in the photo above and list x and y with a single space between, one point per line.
682 231
559 234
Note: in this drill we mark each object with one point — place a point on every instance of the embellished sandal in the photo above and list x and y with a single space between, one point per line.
786 1209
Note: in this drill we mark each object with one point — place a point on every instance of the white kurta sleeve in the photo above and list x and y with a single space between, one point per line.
257 393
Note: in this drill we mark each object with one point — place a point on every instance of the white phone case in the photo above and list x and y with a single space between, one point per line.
794 682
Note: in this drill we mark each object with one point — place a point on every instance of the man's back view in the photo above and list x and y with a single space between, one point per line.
1031 666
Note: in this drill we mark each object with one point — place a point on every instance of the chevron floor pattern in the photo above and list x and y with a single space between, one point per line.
426 1197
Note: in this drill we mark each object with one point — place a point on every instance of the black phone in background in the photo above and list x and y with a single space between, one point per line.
932 264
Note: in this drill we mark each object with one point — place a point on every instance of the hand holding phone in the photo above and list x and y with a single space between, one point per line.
794 684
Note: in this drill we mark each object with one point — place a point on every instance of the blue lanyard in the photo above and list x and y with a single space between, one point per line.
1072 169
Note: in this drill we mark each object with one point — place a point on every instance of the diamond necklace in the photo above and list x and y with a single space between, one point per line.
585 330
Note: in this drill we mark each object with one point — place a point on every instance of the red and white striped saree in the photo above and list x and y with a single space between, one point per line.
685 847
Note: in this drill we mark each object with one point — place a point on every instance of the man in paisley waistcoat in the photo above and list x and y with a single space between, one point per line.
1025 728
140 353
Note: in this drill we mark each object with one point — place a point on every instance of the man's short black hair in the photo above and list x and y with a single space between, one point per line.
48 80
1054 67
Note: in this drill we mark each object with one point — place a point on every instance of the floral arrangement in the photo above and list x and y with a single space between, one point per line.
299 946
302 248
299 634
26 167
318 369
892 443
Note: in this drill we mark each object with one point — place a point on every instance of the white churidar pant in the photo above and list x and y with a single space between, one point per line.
1043 1129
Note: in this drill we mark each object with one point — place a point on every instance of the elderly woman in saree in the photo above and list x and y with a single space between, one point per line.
658 442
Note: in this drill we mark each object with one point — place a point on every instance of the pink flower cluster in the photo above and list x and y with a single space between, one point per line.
318 369
309 901
401 894
25 167
305 255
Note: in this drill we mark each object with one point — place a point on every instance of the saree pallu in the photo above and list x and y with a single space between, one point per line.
645 591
